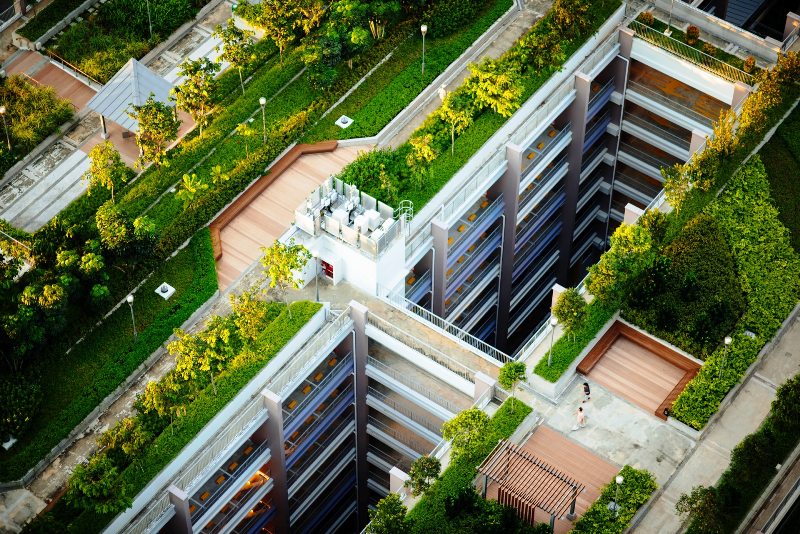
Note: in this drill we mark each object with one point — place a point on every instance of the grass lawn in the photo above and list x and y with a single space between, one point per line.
75 383
781 157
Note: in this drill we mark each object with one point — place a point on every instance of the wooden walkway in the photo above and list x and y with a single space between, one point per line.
35 66
272 212
574 461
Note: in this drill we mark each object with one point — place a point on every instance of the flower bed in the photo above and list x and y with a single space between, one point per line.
637 487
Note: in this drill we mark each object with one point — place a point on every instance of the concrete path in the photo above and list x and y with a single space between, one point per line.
533 11
743 416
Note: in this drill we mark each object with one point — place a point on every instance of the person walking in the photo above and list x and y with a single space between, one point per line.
586 392
580 419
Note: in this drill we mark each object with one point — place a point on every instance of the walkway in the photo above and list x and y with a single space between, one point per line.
743 416
272 212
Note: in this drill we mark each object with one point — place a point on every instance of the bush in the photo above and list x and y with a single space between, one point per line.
47 18
749 64
635 490
646 18
710 49
692 35
444 17
19 402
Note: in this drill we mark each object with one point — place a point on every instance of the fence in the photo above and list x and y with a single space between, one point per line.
151 514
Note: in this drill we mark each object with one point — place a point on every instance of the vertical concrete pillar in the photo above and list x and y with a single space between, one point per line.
626 42
509 186
577 117
558 289
792 23
275 441
182 522
397 479
632 214
439 233
483 383
697 142
358 313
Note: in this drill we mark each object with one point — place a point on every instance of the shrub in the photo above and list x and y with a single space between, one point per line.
570 310
465 430
389 517
710 49
749 64
646 18
424 471
19 402
635 490
444 17
692 35
47 18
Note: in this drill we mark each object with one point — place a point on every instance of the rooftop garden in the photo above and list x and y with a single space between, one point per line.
41 20
209 373
473 112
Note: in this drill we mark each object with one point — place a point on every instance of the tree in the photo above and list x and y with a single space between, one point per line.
631 252
158 126
510 375
465 429
191 187
701 506
114 227
424 471
495 85
217 176
456 116
570 310
106 168
281 261
389 517
380 13
237 46
420 156
277 18
249 314
311 13
207 352
246 131
97 486
193 95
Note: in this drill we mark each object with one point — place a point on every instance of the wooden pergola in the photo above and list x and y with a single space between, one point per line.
527 483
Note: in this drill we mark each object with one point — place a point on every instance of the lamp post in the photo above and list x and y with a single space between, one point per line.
424 30
553 323
129 300
728 340
315 254
149 20
668 32
614 505
5 126
263 102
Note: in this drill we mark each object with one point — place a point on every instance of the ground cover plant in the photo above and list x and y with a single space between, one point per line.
105 40
637 487
40 22
110 353
451 504
33 112
720 508
172 411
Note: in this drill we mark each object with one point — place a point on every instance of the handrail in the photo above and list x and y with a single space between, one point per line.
151 513
479 181
670 103
648 158
69 65
423 348
650 126
413 384
410 442
691 54
489 211
393 404
332 373
400 461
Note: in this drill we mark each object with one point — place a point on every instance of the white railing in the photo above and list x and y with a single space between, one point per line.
156 508
414 444
480 181
404 410
413 384
306 358
535 121
418 312
600 53
205 460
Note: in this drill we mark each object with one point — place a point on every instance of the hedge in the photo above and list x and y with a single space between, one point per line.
429 514
47 18
94 368
398 81
637 487
769 272
567 348
206 405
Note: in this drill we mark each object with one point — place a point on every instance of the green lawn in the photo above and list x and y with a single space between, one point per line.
75 383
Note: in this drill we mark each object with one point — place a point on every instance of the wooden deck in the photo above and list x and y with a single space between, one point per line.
574 461
268 214
37 67
638 368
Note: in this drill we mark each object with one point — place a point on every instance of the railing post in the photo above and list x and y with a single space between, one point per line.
182 522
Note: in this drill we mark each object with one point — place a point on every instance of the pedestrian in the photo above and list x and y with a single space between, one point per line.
586 392
580 421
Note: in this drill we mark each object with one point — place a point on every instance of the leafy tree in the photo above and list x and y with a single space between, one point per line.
465 430
420 156
424 471
114 227
158 126
99 295
281 261
570 17
144 231
379 14
389 517
194 94
311 13
702 507
510 375
570 310
106 168
237 46
494 84
630 253
321 58
97 486
191 187
167 397
246 131
456 116
249 314
277 18
124 441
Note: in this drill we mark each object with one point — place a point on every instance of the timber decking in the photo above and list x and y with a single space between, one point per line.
638 368
574 461
266 210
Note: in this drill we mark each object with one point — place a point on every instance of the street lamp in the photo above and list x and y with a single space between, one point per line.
728 340
149 20
315 254
553 323
5 126
424 30
614 505
668 32
129 300
263 102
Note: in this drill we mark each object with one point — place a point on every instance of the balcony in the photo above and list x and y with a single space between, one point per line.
397 437
657 131
536 219
386 460
529 304
466 264
329 374
466 290
392 406
554 171
636 184
259 516
535 194
418 286
534 248
319 450
255 489
596 130
483 304
548 144
601 94
339 473
589 189
538 270
644 157
477 220
592 161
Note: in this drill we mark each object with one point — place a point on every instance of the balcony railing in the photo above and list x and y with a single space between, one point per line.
546 150
670 103
455 274
691 54
412 384
655 129
395 461
333 374
405 410
150 514
643 156
479 181
489 214
403 437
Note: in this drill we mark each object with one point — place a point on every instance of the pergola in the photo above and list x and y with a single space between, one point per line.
132 85
527 482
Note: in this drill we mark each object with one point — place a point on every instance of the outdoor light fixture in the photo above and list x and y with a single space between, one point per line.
424 30
129 300
5 126
613 506
553 324
668 32
728 340
263 102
